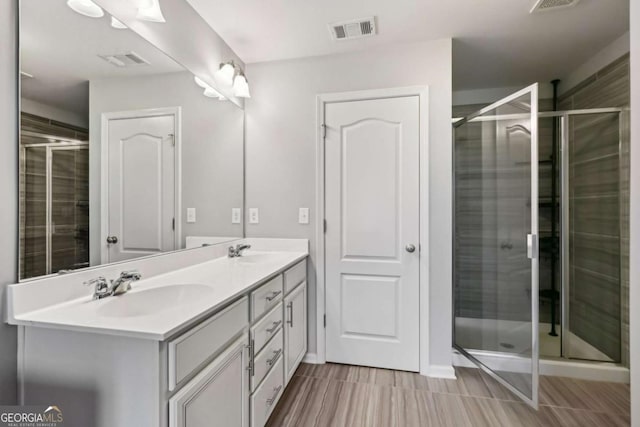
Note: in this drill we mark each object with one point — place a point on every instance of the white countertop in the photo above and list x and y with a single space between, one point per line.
228 279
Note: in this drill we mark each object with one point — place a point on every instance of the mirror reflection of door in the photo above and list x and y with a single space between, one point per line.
141 184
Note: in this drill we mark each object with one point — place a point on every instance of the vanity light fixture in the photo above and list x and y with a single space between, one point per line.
241 86
86 8
150 11
208 90
225 74
117 24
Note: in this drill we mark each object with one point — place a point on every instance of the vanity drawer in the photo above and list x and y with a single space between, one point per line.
266 297
295 275
193 348
266 396
266 328
266 359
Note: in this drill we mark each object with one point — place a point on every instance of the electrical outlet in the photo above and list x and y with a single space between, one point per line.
191 215
254 216
236 215
303 216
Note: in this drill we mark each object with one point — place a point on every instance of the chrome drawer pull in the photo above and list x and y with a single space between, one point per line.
290 307
275 326
251 367
273 360
273 295
273 398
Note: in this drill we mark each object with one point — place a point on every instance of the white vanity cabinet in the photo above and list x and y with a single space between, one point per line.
218 395
227 368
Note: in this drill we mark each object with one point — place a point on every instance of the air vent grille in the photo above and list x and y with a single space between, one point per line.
122 60
549 5
353 29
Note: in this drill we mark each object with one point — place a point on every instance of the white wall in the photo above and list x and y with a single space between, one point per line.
597 62
8 194
280 145
54 113
634 261
212 149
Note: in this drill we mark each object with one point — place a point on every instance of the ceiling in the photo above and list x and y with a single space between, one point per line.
62 54
497 42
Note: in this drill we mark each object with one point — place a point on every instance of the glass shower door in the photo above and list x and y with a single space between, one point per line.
495 244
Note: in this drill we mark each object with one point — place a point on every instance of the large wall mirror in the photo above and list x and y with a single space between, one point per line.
121 153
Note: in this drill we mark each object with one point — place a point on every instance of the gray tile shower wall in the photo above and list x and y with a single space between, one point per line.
69 193
599 202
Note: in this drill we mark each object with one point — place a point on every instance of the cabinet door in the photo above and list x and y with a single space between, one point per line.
218 396
295 331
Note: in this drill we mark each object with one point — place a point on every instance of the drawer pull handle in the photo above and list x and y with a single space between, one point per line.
251 348
273 360
290 307
273 295
275 326
273 398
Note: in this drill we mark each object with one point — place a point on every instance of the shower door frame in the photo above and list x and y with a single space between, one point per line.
532 239
61 144
564 219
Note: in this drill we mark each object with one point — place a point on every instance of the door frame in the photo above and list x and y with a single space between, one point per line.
104 168
422 92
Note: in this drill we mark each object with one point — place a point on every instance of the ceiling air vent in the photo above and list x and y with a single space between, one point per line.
549 5
125 59
353 29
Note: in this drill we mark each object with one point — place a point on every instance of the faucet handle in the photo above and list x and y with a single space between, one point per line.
131 275
100 282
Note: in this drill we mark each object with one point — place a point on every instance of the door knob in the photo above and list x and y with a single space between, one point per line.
410 248
112 239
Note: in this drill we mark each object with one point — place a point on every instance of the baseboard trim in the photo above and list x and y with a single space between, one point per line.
311 358
441 371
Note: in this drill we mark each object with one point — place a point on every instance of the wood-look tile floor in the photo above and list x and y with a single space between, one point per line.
341 395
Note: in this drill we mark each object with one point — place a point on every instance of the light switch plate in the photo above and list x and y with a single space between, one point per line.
236 215
303 216
254 216
191 215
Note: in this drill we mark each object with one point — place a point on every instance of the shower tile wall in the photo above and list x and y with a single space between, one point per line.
70 199
600 215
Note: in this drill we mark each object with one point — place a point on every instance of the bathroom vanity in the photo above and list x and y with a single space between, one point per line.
210 344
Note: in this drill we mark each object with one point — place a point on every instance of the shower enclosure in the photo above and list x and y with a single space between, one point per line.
54 199
537 238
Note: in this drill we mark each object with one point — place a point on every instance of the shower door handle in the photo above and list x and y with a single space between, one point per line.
532 246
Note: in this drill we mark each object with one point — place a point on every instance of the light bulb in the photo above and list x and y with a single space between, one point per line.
200 82
117 24
86 8
225 74
241 87
151 11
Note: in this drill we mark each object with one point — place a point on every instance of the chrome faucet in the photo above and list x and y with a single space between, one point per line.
118 287
237 251
123 283
102 288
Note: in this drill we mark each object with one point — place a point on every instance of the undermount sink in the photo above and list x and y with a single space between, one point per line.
153 300
254 258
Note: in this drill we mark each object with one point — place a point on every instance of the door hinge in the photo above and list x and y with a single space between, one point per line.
324 320
324 225
324 130
173 224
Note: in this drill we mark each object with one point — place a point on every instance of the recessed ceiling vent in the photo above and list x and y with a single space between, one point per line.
125 59
549 5
353 29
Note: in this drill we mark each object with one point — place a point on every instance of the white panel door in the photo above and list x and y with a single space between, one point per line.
372 236
141 180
